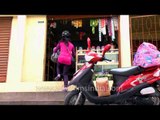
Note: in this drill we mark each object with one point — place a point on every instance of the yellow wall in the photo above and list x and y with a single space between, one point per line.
125 41
27 49
34 49
13 57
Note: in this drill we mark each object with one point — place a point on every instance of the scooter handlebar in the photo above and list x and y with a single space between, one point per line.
106 48
105 59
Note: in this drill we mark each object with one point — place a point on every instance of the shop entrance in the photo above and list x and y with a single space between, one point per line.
80 28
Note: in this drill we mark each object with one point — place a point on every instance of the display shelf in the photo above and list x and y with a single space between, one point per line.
101 67
101 63
111 51
100 53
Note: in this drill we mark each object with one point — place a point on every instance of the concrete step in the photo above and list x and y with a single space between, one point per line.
34 98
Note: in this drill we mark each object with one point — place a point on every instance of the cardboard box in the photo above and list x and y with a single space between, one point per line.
102 86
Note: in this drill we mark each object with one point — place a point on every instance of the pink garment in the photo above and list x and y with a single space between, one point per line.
65 56
147 55
81 34
103 26
109 26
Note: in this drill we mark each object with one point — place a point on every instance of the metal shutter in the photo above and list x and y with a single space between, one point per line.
5 31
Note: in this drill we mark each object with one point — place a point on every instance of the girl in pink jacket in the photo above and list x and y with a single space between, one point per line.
67 51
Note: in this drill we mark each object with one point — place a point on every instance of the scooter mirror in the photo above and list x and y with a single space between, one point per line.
89 43
106 48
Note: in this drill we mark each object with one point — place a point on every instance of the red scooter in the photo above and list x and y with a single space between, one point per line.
131 86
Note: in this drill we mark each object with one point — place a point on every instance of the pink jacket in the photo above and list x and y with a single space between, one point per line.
66 52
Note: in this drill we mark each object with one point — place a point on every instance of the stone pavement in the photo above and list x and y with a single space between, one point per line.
33 98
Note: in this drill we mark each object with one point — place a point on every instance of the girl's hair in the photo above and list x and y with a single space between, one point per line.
65 36
65 40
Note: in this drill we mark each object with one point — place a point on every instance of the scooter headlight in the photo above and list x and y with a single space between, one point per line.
148 90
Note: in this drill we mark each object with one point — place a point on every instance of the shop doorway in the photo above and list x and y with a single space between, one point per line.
80 28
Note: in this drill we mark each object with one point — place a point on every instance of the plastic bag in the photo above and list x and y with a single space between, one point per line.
54 57
147 55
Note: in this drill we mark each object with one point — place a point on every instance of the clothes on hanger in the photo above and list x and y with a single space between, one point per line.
112 28
77 23
103 26
99 29
93 24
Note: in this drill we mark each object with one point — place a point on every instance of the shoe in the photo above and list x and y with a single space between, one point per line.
65 89
57 78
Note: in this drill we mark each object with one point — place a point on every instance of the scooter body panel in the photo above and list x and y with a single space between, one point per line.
134 80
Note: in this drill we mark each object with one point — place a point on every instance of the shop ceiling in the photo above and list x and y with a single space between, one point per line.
60 17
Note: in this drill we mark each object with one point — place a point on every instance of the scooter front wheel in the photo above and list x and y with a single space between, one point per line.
75 97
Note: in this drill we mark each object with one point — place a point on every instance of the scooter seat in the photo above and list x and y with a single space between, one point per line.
127 71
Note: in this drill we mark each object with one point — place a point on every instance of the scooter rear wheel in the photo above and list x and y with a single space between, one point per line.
72 97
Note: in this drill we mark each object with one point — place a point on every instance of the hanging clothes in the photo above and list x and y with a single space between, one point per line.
81 34
77 23
93 24
112 28
103 26
115 20
109 25
100 30
106 20
53 24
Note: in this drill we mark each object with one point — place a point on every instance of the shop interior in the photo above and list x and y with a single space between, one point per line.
101 31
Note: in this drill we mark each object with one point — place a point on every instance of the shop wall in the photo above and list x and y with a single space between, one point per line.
125 53
13 58
34 49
